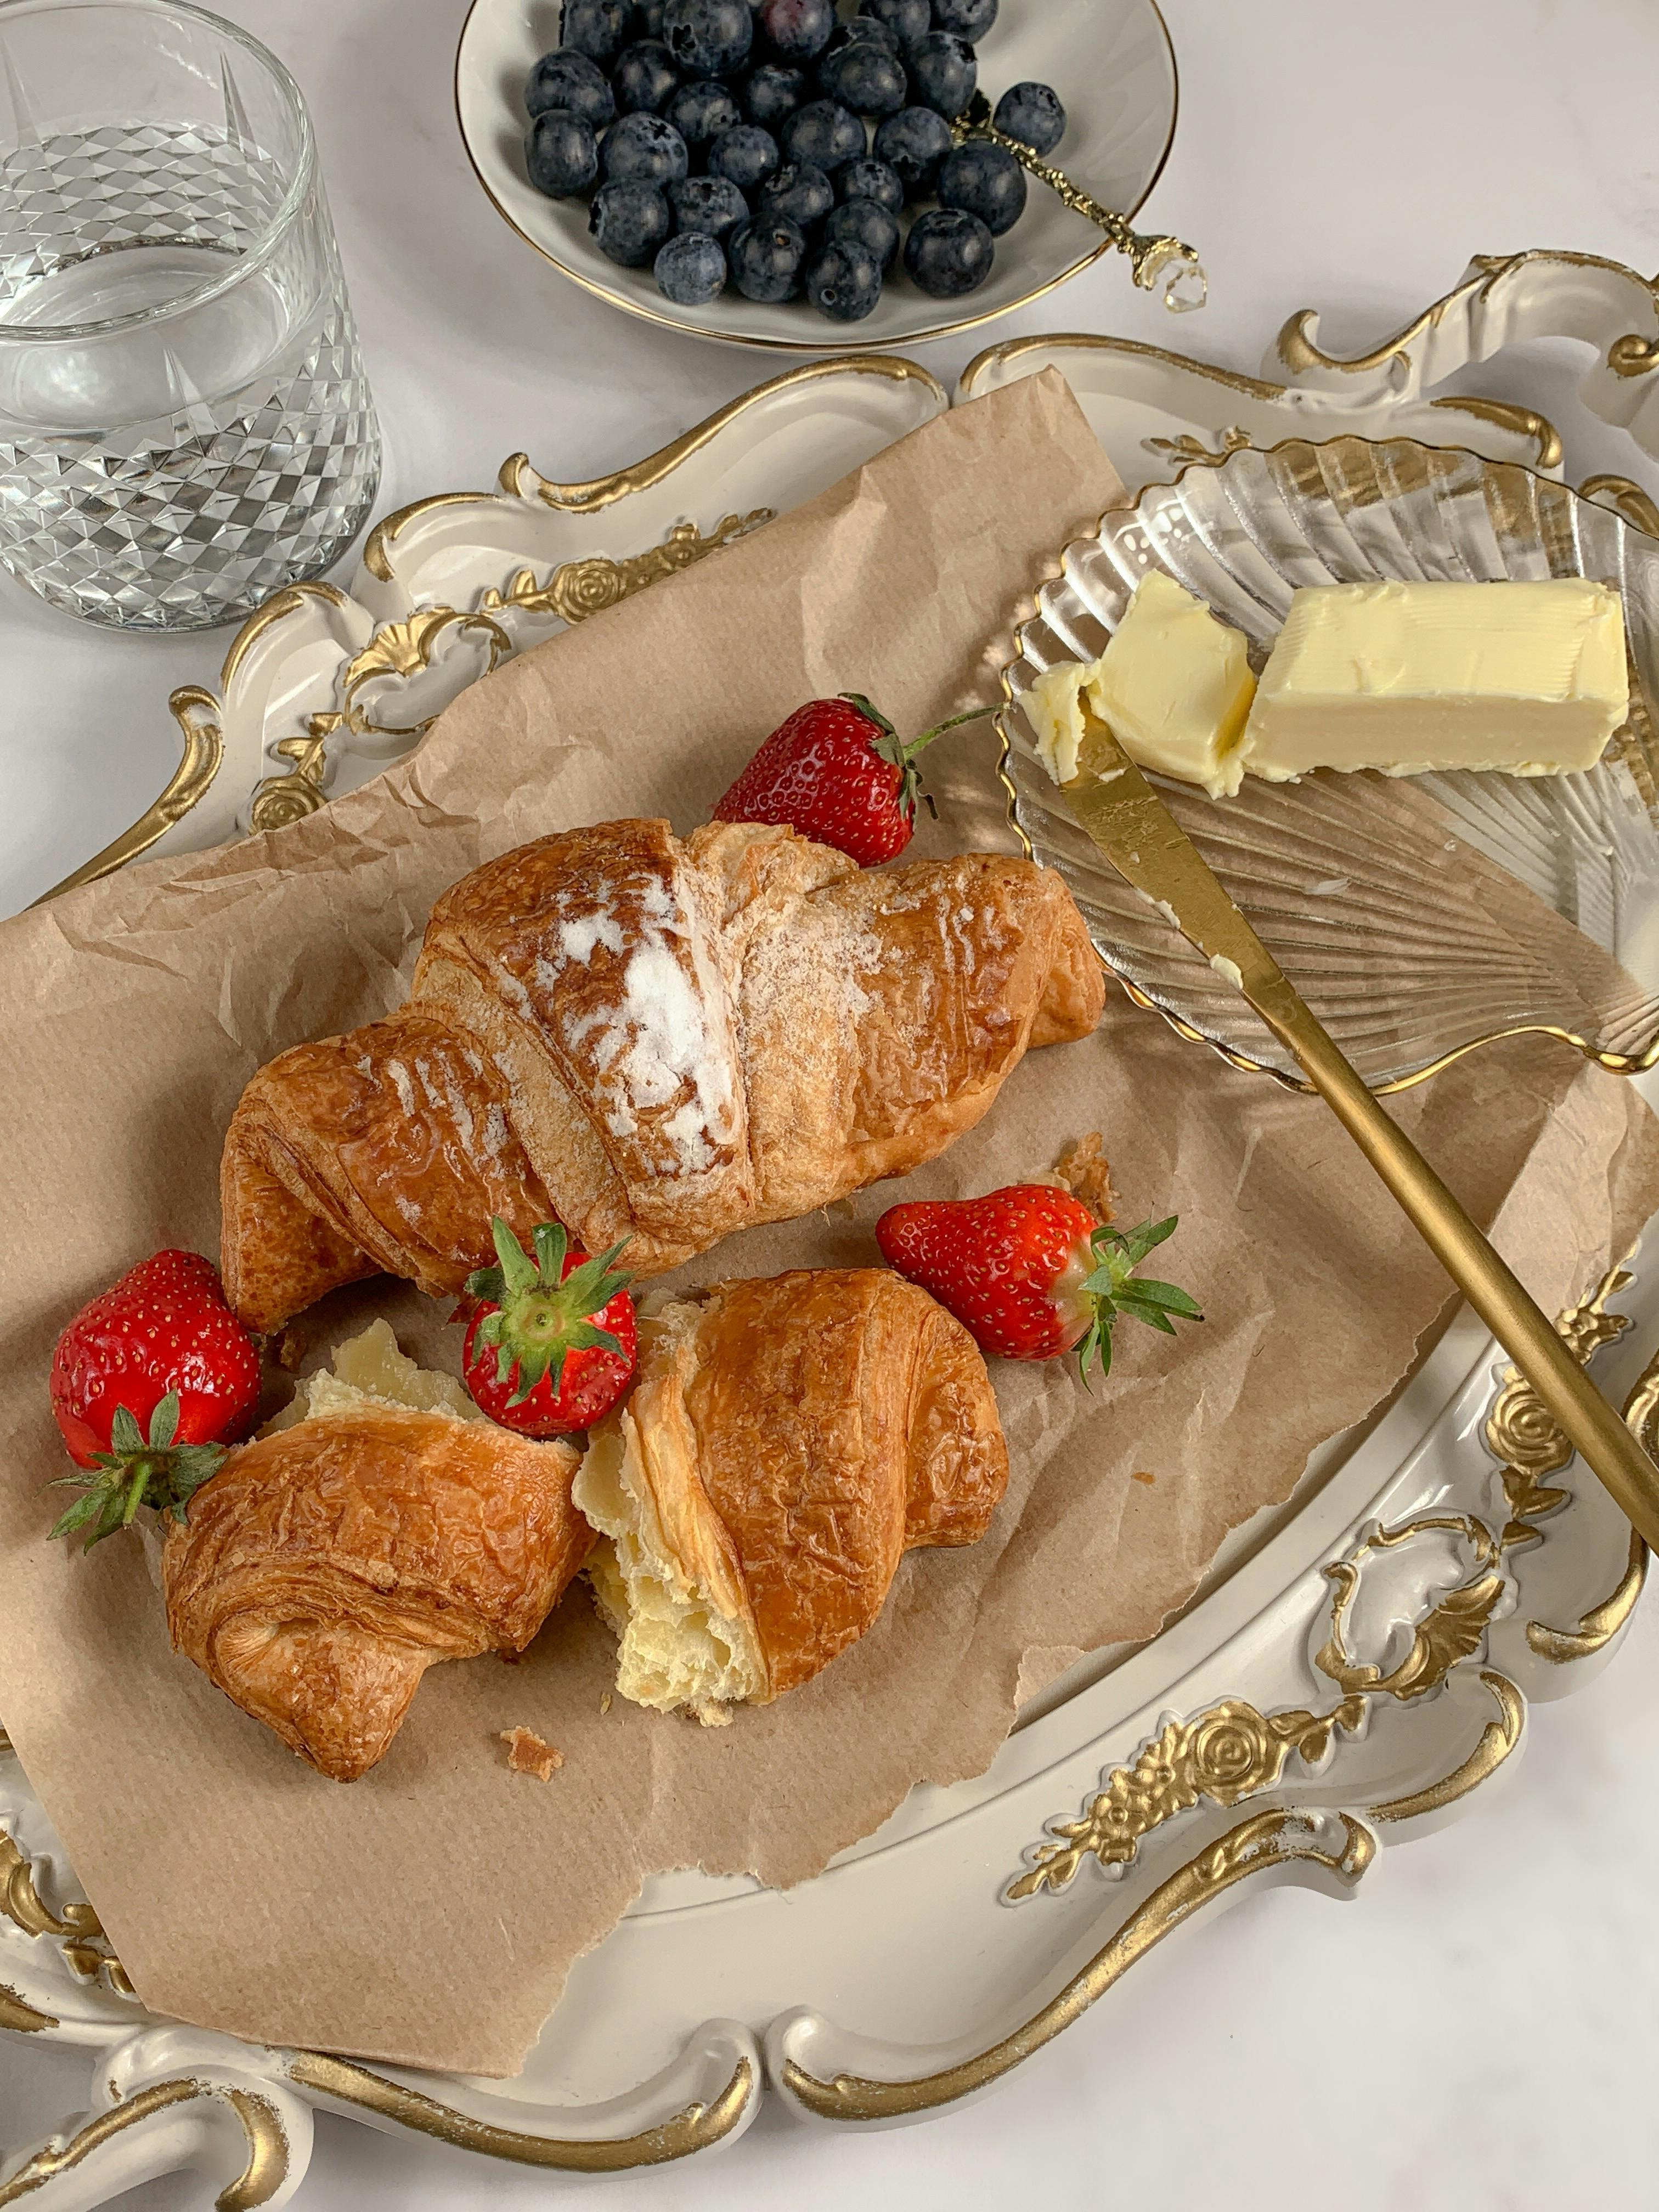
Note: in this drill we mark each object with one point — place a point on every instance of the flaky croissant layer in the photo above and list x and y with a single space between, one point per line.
790 1438
654 1040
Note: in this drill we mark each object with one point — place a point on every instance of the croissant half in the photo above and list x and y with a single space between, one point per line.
655 1040
788 1441
328 1565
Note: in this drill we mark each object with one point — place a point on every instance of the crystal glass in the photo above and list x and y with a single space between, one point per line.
184 424
1418 915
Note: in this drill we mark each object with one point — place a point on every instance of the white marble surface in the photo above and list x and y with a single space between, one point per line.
1478 2028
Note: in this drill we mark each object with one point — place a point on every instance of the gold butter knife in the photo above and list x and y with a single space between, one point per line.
1140 837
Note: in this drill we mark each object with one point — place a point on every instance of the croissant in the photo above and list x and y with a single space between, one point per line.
652 1040
329 1564
787 1441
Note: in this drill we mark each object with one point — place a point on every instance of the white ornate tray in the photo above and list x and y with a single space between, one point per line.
1356 1667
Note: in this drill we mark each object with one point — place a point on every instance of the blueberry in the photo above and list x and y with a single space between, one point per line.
800 193
988 181
948 252
746 155
707 37
647 19
700 111
870 179
908 19
568 80
644 78
766 257
823 133
867 223
598 28
865 77
798 30
966 19
711 204
1032 113
560 154
773 92
630 220
914 142
943 72
690 269
863 30
643 150
844 281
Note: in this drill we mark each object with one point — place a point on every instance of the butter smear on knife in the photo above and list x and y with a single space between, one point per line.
1527 678
1173 685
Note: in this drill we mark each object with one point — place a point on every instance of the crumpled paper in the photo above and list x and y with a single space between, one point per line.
430 1913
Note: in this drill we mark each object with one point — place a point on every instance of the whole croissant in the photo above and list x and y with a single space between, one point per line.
652 1040
326 1566
788 1441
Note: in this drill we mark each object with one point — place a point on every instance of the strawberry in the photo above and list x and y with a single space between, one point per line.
1031 1272
839 773
148 1382
550 1342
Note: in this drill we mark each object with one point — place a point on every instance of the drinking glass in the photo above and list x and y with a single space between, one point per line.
184 423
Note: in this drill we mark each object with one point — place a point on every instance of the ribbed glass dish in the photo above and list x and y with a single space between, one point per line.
1402 907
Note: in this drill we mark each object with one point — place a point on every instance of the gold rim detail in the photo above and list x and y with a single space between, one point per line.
1276 1839
21 2018
1626 498
1195 453
1498 1739
697 2128
260 2179
650 314
79 1932
197 713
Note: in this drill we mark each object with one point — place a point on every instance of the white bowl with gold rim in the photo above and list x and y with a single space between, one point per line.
1111 62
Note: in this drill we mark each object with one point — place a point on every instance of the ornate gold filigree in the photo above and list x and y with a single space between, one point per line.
580 588
1195 453
1335 1845
22 2019
197 713
258 2182
695 2128
1522 1433
1626 498
1230 1752
1632 355
79 1933
1234 1751
1453 1630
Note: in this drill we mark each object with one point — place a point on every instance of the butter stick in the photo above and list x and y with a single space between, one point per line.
1527 678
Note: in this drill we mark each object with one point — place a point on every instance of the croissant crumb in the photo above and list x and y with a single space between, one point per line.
369 1369
526 1753
1084 1169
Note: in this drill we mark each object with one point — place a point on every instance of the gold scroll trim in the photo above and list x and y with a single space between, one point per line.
197 713
1498 1738
695 2128
258 2183
79 1932
1268 1840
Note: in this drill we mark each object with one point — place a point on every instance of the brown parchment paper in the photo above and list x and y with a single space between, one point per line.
429 1912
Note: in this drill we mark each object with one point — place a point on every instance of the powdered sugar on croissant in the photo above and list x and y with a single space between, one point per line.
657 1040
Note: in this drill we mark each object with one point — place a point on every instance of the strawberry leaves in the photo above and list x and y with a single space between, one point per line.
893 749
1113 1288
536 1314
136 1470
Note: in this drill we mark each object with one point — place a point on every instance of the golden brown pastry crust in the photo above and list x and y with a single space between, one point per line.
326 1566
658 1040
797 1434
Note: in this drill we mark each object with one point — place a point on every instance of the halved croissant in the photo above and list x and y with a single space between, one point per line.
330 1563
654 1040
789 1440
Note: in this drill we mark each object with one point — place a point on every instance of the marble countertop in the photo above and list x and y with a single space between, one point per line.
1479 2028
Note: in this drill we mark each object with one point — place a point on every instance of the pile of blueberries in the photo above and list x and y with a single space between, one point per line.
728 142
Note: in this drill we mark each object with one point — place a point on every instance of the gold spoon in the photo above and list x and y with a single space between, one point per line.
1153 260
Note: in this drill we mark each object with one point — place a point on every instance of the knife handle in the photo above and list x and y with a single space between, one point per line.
1604 1442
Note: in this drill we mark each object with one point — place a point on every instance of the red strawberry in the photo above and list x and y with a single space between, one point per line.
550 1342
1031 1272
147 1381
839 772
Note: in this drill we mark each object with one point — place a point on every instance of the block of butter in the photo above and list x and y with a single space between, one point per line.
1173 685
1528 677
